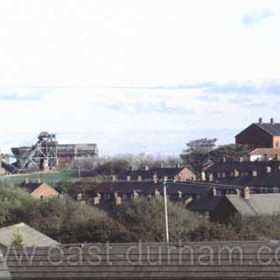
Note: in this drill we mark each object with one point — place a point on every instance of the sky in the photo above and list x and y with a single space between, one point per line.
137 76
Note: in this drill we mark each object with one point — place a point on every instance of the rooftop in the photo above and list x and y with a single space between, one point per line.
203 260
31 236
257 204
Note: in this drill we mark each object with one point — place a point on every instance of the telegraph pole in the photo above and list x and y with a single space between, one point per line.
165 209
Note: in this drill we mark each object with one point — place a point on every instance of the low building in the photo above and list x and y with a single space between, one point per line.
265 154
178 173
112 192
246 204
31 236
39 190
244 173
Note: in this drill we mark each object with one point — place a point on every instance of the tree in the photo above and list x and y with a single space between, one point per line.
144 219
197 154
18 240
231 152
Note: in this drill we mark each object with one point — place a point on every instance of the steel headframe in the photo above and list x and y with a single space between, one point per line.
42 154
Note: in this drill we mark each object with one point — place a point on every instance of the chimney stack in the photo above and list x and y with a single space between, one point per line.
260 120
268 169
247 193
235 173
214 192
157 193
135 194
272 121
96 199
118 199
180 194
203 176
155 178
146 167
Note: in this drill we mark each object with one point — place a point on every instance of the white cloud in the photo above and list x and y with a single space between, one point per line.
61 60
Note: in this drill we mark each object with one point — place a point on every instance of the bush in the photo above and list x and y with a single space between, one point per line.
144 219
213 232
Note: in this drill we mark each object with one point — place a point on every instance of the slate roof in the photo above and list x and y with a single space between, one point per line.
149 187
263 179
206 203
201 260
271 128
171 172
245 166
257 204
31 236
4 272
29 187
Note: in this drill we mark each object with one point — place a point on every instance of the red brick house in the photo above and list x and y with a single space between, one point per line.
39 190
260 135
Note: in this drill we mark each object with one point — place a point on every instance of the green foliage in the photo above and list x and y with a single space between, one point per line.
213 232
114 166
144 220
231 152
238 229
11 203
65 220
197 153
18 240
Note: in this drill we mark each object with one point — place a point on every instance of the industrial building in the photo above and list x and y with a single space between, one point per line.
47 154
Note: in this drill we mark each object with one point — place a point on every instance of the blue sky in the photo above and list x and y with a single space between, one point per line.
137 76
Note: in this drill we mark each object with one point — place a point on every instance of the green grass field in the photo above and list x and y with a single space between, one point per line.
49 178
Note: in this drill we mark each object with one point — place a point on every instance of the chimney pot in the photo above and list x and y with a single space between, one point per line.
260 120
272 121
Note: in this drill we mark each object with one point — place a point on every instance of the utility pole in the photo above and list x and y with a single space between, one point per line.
165 209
